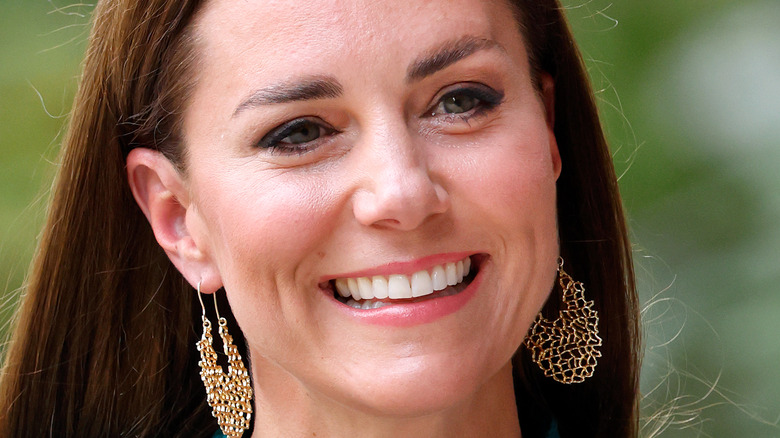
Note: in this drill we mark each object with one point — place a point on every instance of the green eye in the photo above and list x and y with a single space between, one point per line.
467 101
459 103
297 136
303 132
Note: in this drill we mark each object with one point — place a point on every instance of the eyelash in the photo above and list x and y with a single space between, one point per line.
273 140
486 100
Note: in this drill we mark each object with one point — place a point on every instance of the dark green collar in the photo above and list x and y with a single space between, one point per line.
552 433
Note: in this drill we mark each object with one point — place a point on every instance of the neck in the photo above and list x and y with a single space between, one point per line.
285 408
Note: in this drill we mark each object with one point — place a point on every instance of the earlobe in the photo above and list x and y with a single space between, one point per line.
161 193
548 98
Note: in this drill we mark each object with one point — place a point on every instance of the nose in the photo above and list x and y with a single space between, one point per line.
399 190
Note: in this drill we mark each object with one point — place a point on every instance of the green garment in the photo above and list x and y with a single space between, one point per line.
552 433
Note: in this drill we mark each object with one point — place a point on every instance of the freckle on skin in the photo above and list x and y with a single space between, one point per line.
321 254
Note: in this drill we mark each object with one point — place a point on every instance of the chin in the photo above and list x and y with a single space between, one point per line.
414 389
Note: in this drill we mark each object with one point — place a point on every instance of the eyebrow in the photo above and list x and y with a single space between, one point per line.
308 88
327 87
447 54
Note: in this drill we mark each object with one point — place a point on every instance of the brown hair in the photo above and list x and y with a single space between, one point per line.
104 341
594 244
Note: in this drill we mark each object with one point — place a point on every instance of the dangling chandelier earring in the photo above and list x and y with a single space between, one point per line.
566 348
230 396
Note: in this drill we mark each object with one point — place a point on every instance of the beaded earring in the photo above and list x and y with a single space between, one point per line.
229 395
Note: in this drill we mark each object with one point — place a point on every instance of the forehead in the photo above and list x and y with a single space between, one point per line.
272 37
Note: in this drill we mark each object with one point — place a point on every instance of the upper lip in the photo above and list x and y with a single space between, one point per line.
403 267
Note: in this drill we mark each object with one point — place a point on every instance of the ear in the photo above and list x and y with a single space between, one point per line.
162 194
548 98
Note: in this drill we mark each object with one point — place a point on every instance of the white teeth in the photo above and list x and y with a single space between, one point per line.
452 274
398 286
353 288
368 304
366 292
421 284
342 288
380 286
439 278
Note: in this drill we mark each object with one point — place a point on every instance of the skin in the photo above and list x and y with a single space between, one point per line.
387 181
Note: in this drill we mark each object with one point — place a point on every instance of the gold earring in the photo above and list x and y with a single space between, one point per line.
230 396
566 348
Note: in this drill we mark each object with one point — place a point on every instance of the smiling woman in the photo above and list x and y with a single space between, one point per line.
382 192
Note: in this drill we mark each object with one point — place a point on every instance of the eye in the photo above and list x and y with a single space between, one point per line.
295 136
459 103
466 100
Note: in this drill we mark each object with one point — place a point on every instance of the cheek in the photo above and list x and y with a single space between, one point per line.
265 227
268 236
521 180
511 179
509 195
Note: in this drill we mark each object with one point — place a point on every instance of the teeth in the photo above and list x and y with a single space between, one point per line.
438 277
366 292
353 289
452 274
365 287
421 284
342 287
368 304
399 287
380 286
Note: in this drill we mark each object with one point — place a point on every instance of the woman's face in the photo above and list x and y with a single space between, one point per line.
338 143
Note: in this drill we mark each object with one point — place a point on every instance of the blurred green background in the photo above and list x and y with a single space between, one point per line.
690 96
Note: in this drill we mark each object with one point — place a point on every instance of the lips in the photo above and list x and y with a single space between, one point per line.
371 292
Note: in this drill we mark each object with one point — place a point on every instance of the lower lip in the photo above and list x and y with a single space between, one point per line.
411 314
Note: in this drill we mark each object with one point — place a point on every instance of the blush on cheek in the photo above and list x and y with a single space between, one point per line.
274 225
526 177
